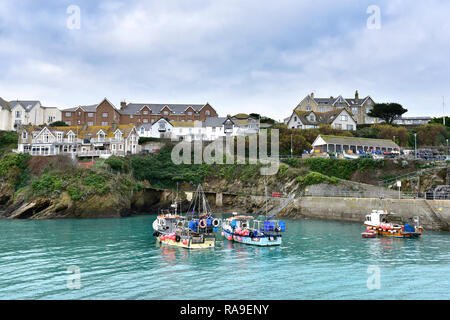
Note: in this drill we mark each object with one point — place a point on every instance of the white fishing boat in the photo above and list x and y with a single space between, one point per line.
195 230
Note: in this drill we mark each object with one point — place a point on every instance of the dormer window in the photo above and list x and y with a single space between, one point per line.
312 118
207 112
118 135
166 112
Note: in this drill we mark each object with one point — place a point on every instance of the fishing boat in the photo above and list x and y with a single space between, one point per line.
385 223
263 231
195 230
350 156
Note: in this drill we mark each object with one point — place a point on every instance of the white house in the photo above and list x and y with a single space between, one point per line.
78 141
25 112
338 119
161 128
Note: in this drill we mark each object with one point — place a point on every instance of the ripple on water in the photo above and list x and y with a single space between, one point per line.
119 259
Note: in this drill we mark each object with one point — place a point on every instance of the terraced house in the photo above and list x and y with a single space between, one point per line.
142 113
105 113
98 141
359 108
102 114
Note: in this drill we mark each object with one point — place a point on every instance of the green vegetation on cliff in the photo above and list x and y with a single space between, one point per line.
8 141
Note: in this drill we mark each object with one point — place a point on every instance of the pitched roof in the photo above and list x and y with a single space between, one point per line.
355 141
4 104
133 108
331 100
320 117
28 105
87 132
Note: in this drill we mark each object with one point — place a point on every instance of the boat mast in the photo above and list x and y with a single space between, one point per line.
265 193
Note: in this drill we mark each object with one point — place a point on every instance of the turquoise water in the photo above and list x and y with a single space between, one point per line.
119 259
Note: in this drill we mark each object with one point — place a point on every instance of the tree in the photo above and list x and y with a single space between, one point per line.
387 111
58 124
431 135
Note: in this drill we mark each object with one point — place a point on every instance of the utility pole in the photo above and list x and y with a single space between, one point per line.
443 110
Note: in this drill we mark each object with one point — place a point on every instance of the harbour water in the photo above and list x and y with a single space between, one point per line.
119 259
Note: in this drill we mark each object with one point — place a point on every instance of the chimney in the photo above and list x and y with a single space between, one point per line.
356 95
312 95
123 105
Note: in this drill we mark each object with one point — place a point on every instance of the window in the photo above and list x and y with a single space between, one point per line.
120 146
153 120
344 118
104 123
349 127
90 115
50 119
131 116
18 114
338 126
79 113
166 112
90 123
105 114
189 113
24 135
207 112
68 114
368 109
355 110
70 137
79 122
309 101
295 118
145 112
321 109
312 118
308 108
118 135
213 129
145 120
68 123
114 147
299 126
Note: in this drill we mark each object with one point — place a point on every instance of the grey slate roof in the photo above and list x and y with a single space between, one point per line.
133 108
27 104
354 141
4 104
214 122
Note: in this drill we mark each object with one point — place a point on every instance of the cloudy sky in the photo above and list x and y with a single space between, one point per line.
240 56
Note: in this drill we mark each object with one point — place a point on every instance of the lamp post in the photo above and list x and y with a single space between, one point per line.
399 185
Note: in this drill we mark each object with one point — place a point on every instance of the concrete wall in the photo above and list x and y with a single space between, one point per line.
433 214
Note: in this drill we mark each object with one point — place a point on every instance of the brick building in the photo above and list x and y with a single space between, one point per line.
105 113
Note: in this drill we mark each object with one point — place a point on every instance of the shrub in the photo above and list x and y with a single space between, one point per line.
316 178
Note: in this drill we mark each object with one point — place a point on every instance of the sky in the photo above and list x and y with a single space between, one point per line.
240 56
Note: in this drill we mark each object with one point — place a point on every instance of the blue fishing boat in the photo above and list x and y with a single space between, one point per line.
264 231
258 232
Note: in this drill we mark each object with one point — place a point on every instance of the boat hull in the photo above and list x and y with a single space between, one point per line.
396 233
208 242
262 241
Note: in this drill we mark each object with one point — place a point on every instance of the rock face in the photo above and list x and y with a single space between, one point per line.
110 205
